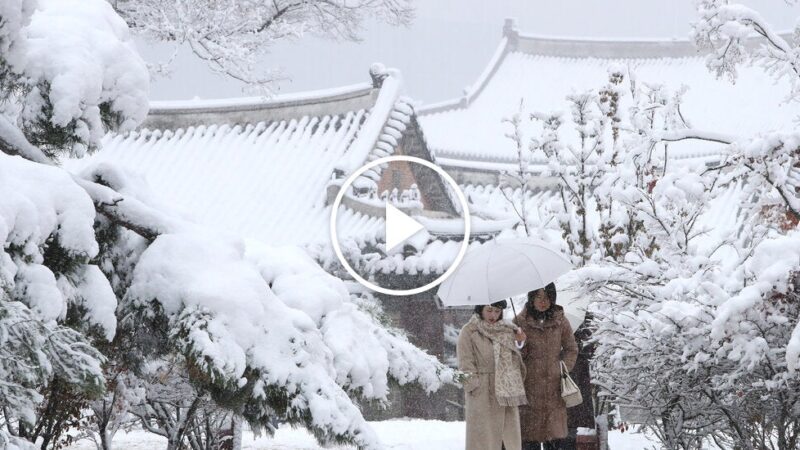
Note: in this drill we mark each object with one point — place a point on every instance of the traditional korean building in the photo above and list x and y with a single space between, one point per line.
466 135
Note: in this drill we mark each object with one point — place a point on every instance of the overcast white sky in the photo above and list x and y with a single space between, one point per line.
448 44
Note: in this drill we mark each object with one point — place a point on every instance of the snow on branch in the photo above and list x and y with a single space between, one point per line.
123 210
768 165
729 31
74 72
686 134
249 314
126 210
14 142
265 326
232 37
239 332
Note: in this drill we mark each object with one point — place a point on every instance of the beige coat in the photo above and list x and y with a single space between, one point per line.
545 416
489 425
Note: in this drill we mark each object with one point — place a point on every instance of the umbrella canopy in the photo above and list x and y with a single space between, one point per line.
574 305
501 269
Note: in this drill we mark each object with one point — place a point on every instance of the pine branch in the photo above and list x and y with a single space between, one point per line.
13 142
120 209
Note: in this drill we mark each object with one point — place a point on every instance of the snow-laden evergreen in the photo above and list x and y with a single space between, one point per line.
69 69
108 297
46 225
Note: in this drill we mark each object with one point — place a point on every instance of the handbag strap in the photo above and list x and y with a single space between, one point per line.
564 371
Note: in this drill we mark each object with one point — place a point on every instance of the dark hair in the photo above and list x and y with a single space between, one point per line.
550 290
501 304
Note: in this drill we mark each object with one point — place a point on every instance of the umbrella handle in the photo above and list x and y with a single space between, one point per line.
513 308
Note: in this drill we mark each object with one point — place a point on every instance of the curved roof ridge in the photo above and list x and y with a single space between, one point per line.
606 48
611 48
328 102
471 92
568 47
258 102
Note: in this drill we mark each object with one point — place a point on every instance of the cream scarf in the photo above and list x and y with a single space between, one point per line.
508 384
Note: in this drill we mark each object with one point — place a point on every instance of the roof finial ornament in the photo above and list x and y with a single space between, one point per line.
378 72
511 32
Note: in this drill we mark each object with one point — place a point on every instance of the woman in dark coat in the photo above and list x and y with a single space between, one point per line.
549 341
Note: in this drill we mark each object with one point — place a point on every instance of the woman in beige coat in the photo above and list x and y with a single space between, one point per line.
488 353
550 340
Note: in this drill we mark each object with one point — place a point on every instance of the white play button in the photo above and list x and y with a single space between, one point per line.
399 227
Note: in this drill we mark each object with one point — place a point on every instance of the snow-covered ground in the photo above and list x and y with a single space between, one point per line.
398 434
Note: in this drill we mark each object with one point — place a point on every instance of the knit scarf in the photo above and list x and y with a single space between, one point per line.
508 385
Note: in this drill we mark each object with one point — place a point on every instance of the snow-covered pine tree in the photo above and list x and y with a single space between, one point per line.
261 331
54 300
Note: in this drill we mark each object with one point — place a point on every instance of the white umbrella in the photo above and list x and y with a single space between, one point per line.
574 305
498 270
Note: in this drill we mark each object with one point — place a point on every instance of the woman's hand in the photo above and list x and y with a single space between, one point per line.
520 336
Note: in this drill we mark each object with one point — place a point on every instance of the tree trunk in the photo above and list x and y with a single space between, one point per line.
601 422
236 424
174 441
105 440
182 424
102 424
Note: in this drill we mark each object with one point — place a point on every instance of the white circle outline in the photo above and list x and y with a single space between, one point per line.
461 199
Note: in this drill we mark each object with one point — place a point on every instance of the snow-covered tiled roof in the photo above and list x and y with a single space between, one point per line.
261 169
543 71
328 102
720 221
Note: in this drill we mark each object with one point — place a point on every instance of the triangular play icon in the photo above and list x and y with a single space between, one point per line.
399 227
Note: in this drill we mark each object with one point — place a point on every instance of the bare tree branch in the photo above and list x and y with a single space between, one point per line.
682 135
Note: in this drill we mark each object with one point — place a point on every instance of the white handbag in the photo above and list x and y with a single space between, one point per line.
569 390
